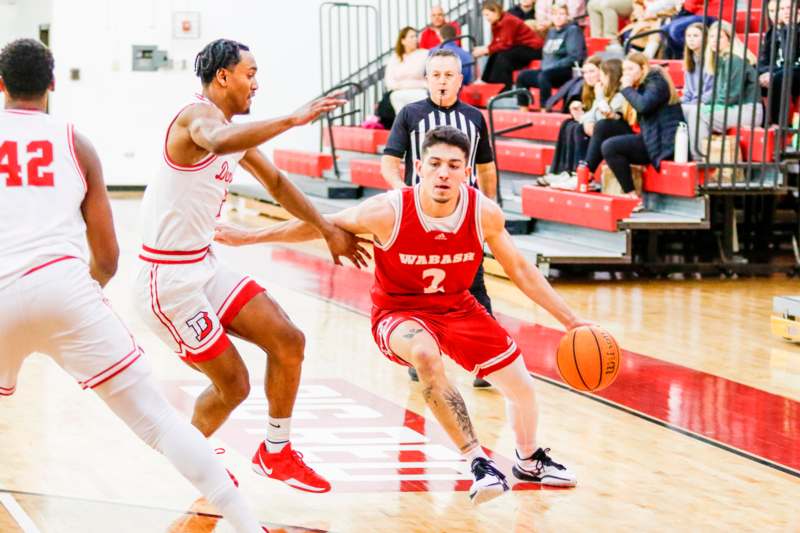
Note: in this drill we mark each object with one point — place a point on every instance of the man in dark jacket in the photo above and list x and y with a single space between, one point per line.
564 47
774 59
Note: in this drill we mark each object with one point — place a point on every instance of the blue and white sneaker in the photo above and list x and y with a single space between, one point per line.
540 468
489 482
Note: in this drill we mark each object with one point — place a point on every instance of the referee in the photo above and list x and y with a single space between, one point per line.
442 108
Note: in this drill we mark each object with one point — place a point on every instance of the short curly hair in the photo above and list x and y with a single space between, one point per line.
222 53
26 66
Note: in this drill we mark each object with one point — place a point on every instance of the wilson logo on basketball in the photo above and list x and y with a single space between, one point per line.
224 173
201 325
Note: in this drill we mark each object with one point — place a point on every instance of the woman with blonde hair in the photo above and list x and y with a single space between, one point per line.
735 91
405 71
696 91
650 92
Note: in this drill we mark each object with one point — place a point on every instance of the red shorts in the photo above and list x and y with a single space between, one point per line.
470 336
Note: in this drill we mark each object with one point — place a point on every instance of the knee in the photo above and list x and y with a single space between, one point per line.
292 344
428 363
236 389
609 149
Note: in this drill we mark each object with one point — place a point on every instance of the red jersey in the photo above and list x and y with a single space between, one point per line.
423 268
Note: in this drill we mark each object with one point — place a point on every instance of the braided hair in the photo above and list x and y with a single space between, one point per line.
222 53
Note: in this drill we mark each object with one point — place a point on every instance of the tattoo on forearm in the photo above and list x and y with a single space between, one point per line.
427 392
456 404
412 333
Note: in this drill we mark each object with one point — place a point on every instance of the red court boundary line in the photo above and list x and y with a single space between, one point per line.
743 420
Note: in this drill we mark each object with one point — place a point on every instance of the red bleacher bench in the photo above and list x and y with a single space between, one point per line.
675 179
311 164
367 173
523 157
590 210
595 45
758 138
356 139
754 21
545 125
480 93
674 67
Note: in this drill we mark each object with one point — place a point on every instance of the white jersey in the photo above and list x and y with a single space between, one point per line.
181 205
43 188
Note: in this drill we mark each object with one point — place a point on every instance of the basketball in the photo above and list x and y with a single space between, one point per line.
588 358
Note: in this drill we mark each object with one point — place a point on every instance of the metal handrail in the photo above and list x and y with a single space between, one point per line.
493 134
648 33
358 90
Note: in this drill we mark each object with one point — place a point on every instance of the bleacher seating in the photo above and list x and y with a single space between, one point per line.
367 173
674 67
357 139
545 126
311 164
524 158
590 210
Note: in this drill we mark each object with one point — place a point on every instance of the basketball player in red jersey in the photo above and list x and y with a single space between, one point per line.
428 245
57 248
191 300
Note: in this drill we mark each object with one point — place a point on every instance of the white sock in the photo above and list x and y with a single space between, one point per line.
474 453
148 414
278 430
517 386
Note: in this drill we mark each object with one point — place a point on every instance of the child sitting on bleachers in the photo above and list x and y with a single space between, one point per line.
736 99
695 91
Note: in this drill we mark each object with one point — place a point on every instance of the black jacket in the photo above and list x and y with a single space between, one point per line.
777 53
657 118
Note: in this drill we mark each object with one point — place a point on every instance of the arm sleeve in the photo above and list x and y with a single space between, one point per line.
689 93
708 87
733 94
399 137
655 95
484 153
503 39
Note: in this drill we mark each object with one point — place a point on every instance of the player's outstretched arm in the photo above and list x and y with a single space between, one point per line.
96 211
524 275
209 129
373 216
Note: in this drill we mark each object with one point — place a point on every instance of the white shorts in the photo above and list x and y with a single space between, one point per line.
59 310
189 305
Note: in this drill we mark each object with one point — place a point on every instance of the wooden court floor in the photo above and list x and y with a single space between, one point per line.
701 432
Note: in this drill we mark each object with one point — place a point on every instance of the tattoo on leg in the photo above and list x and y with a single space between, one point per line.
456 404
468 446
412 333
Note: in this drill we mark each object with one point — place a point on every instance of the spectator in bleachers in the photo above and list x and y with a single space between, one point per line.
572 137
525 10
691 12
610 114
604 16
544 12
695 91
778 57
735 85
405 71
564 48
448 32
514 45
647 16
432 35
650 92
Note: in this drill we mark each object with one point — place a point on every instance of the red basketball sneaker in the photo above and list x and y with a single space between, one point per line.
288 466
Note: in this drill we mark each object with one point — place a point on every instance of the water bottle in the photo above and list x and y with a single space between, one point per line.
583 177
682 143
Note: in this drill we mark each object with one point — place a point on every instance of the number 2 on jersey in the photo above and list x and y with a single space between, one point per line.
37 177
437 277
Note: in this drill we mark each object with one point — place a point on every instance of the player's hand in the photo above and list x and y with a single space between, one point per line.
344 244
312 111
231 235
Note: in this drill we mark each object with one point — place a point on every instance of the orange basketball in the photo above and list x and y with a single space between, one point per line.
588 358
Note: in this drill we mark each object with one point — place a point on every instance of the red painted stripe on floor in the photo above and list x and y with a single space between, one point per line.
736 415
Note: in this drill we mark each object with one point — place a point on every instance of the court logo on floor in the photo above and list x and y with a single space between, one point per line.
359 441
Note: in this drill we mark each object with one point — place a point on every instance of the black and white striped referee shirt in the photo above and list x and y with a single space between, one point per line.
418 118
